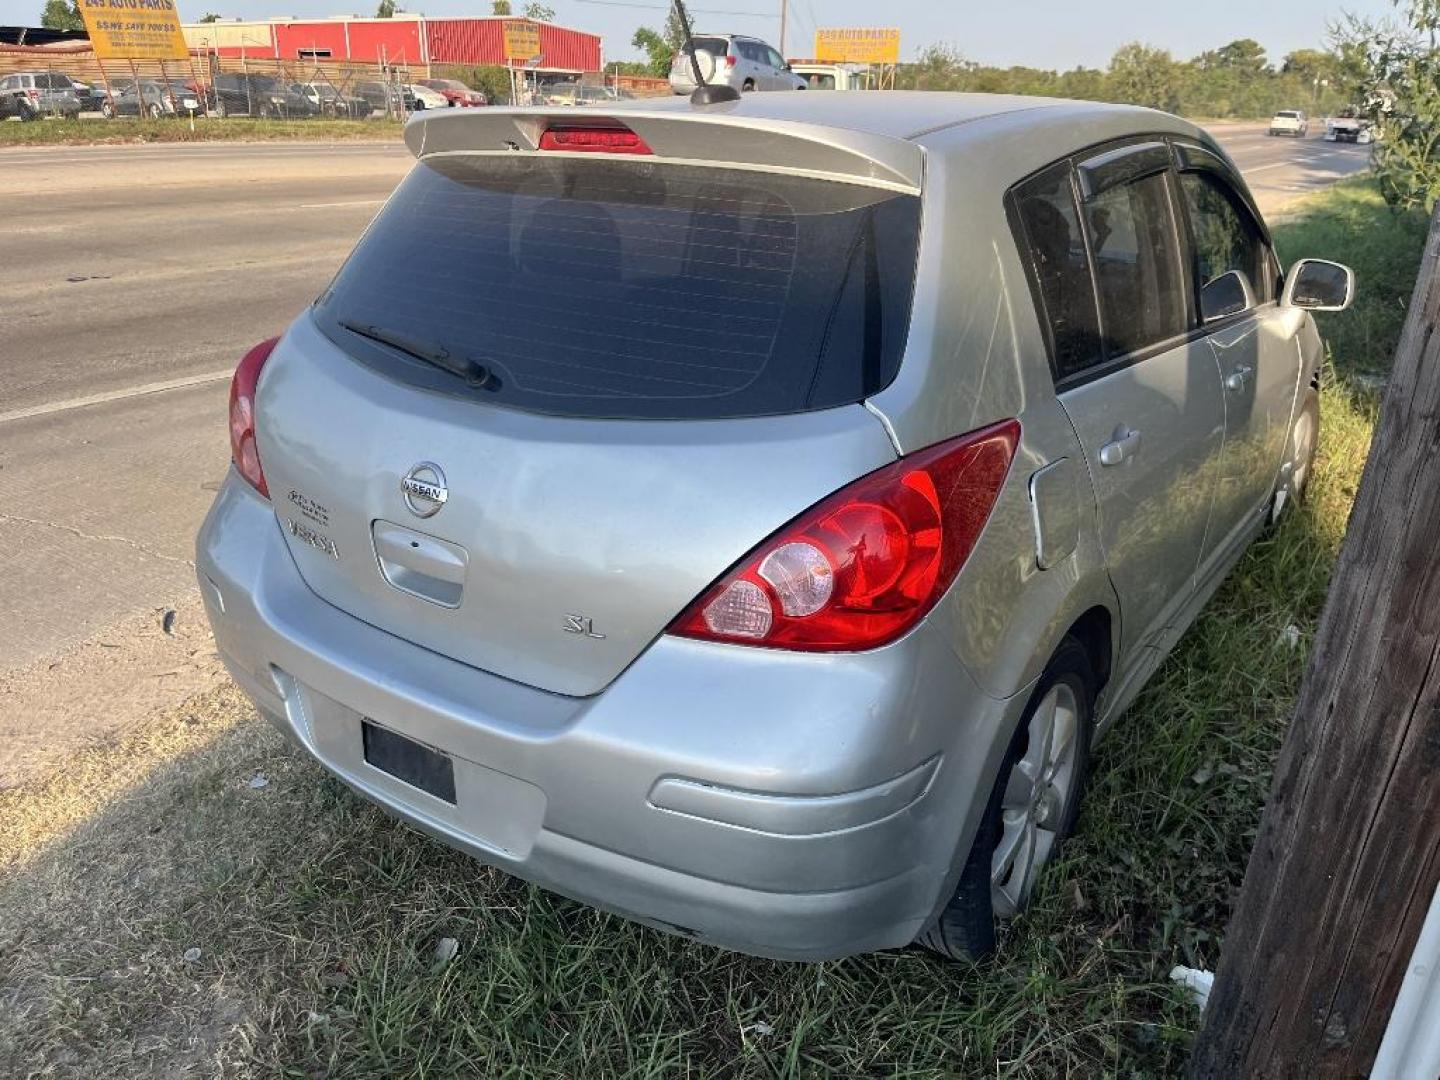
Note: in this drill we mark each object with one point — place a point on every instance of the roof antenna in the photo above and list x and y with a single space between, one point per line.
705 93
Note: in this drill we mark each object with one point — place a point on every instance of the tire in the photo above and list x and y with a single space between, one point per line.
1299 455
219 109
749 86
965 929
107 110
156 112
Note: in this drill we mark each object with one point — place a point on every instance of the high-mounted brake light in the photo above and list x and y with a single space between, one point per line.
593 140
863 566
243 451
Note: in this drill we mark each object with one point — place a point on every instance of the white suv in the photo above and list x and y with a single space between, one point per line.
745 63
1290 122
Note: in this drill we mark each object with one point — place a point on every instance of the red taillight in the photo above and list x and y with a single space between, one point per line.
729 60
594 140
865 565
243 451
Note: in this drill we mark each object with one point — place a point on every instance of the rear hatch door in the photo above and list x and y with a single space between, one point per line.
666 364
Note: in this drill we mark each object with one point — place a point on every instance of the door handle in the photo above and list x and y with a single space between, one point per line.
1237 379
1122 445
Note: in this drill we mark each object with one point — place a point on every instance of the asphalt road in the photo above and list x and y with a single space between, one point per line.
131 281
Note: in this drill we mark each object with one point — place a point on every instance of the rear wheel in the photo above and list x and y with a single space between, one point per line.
1032 808
107 110
749 85
156 112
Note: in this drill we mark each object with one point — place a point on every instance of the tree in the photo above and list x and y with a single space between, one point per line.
386 9
539 12
209 16
1309 64
499 7
1144 75
62 15
1245 56
653 45
1399 91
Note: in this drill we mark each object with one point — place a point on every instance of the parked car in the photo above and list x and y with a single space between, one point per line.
384 97
153 98
326 100
795 637
33 95
826 76
745 63
1290 122
1347 125
455 92
426 98
89 96
259 95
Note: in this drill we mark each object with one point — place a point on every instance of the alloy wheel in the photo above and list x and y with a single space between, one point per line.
1036 800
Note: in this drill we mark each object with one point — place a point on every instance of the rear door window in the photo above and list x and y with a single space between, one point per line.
1059 269
1138 271
608 289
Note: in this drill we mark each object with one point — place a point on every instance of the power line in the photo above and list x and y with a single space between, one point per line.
666 7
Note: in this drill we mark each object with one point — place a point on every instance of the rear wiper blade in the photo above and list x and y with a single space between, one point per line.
472 371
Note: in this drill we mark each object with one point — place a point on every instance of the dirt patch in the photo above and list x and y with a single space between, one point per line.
102 686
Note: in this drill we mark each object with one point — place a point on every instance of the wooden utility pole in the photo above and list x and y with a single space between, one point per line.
1348 854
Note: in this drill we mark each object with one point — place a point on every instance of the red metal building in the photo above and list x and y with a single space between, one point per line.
410 40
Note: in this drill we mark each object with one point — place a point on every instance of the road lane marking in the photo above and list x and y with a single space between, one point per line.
114 395
1261 168
328 205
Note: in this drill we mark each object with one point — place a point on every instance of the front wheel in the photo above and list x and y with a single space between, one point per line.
156 112
1299 455
1031 810
107 110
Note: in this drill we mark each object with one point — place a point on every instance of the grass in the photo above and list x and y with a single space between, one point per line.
317 920
96 132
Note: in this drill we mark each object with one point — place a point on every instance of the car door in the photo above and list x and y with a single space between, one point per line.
1141 390
775 65
1255 346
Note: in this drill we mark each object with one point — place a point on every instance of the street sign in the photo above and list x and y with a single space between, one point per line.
522 39
861 45
134 29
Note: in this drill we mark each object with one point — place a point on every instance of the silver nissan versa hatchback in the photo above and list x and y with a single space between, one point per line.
745 517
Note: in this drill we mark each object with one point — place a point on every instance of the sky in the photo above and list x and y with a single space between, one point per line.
1039 33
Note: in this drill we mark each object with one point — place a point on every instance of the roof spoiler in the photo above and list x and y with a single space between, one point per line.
712 138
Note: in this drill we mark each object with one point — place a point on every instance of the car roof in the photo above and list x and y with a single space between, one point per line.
895 114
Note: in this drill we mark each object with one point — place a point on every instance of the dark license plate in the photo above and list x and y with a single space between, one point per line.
405 759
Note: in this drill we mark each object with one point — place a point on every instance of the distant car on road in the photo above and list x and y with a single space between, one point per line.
426 98
1347 125
576 94
32 95
745 63
1290 122
328 101
456 92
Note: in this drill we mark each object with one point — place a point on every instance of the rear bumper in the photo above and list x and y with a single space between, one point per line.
800 807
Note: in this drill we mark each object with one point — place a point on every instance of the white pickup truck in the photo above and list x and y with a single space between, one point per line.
1347 125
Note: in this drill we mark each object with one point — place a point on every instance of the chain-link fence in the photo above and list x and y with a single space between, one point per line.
40 82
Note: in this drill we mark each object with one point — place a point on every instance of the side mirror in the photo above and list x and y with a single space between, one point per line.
1227 294
1319 285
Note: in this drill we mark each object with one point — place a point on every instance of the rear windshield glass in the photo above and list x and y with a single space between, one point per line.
715 46
636 290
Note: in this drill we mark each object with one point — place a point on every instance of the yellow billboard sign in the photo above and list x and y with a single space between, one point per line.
522 40
134 29
872 45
